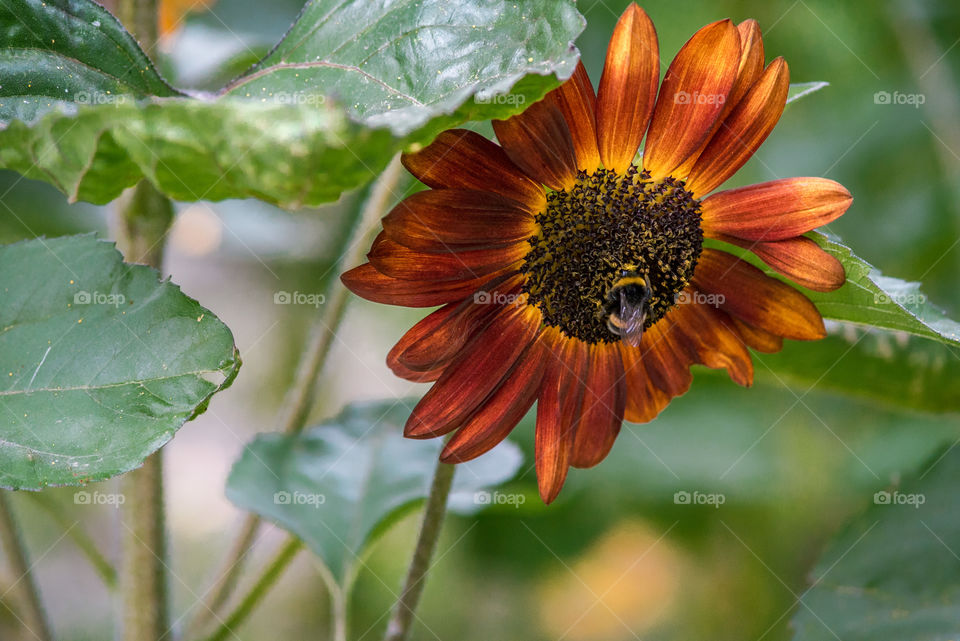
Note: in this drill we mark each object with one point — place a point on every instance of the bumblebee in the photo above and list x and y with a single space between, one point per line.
626 306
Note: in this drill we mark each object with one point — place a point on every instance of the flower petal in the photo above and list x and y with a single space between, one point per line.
538 141
397 261
666 357
443 352
464 159
495 419
691 98
758 339
743 131
751 66
558 407
756 298
628 88
436 340
440 219
774 210
800 259
476 372
604 400
365 281
711 334
644 399
578 103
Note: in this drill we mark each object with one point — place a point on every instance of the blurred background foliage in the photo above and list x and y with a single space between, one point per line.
615 557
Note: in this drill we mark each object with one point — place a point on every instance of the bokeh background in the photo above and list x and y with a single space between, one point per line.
615 557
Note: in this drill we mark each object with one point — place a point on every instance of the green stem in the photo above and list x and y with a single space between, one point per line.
399 627
34 619
100 563
143 217
299 399
270 576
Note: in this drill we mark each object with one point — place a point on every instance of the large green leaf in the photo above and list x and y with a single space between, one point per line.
350 85
340 483
893 574
101 362
54 55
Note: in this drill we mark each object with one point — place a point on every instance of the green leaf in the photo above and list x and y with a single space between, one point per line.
800 90
101 362
872 299
339 484
346 89
56 53
893 574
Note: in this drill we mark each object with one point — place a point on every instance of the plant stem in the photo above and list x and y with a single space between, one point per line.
273 571
103 567
399 627
143 217
299 399
34 618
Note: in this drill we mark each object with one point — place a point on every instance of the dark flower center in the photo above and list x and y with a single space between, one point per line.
606 225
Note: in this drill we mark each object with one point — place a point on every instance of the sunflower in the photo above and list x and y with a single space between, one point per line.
526 245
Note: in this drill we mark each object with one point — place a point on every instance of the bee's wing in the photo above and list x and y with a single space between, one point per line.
631 319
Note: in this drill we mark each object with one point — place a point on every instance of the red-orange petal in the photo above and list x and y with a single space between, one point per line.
396 261
628 88
474 374
667 359
758 339
558 407
365 281
424 329
692 96
462 159
434 342
495 419
538 141
604 401
743 131
800 259
751 66
440 219
578 103
756 298
713 337
644 399
774 210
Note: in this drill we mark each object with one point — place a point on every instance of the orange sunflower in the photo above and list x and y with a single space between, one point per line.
572 274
